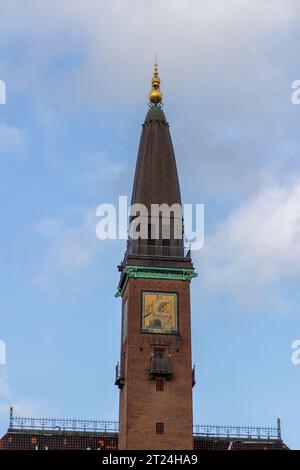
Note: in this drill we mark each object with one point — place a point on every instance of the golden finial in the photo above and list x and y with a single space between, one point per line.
155 95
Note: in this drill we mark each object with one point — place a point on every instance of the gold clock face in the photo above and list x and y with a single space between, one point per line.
159 313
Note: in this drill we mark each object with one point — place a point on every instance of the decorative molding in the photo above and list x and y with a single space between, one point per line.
151 272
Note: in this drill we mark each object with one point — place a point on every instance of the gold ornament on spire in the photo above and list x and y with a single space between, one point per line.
155 95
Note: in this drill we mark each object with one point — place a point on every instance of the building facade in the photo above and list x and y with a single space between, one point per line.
79 434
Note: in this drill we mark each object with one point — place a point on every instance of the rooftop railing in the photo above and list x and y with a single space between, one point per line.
238 432
58 424
85 425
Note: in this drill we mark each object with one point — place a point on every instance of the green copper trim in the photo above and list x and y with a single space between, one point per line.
155 113
153 272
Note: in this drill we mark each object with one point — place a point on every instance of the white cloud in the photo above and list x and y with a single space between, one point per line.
98 171
70 251
48 227
11 138
226 83
118 39
256 246
28 407
4 387
229 77
23 406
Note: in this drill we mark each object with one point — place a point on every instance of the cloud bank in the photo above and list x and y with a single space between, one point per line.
257 246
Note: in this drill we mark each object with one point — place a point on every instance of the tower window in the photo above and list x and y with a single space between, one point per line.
166 247
160 385
151 234
159 354
160 428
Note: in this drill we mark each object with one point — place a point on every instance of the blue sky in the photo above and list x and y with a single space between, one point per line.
77 76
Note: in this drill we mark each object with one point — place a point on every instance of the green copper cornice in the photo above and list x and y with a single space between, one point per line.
151 272
155 113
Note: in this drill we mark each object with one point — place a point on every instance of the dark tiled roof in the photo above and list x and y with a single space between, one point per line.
62 440
82 434
57 440
205 443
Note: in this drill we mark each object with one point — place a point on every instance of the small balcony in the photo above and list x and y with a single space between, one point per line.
193 377
120 376
160 367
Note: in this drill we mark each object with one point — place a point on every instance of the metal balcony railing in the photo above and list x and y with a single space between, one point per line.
193 377
120 376
155 248
160 367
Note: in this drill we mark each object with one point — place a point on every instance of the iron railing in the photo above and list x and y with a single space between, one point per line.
160 366
86 425
120 376
154 248
58 424
237 432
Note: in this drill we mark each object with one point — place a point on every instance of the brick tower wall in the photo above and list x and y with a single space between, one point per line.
141 405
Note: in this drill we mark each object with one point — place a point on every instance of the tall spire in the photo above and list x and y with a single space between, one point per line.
156 182
154 285
155 95
156 179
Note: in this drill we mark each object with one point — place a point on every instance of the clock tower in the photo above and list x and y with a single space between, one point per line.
155 374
